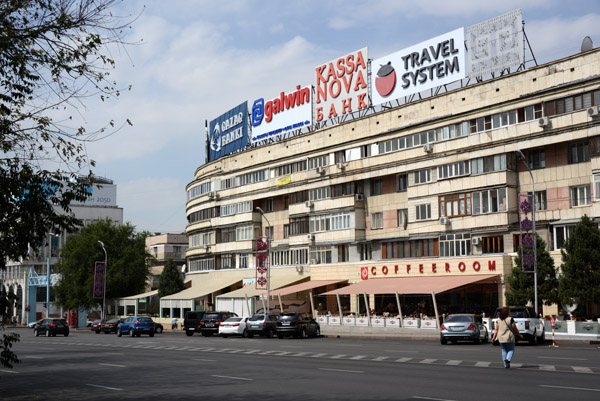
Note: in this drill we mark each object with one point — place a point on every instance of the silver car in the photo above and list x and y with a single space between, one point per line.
463 327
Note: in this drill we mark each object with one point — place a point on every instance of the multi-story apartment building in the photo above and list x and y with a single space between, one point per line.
428 189
164 247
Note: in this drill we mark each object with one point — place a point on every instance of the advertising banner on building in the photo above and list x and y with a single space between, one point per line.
495 44
105 196
429 64
228 132
341 86
276 119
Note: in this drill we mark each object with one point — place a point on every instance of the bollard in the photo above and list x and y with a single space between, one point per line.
553 343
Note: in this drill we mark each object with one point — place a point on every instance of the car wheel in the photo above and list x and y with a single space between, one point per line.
47 333
280 336
97 331
224 335
119 334
542 339
66 334
532 340
304 334
151 334
53 334
443 341
318 332
131 333
486 339
477 340
249 335
36 333
138 334
159 329
189 333
270 334
245 334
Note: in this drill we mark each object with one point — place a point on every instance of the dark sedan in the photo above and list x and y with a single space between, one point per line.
110 326
51 327
298 325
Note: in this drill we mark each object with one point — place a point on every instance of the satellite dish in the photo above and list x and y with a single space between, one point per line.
587 44
569 308
183 268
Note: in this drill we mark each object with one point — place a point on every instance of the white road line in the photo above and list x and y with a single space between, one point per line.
338 356
483 364
300 354
289 346
429 398
359 357
7 371
112 353
582 369
380 358
111 364
252 351
233 377
282 353
453 362
408 352
317 355
404 359
571 388
343 370
105 387
428 361
516 365
205 360
35 357
570 359
550 368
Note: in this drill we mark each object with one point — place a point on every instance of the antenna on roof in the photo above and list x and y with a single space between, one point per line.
587 44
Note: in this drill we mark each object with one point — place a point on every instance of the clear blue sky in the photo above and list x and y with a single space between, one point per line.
197 59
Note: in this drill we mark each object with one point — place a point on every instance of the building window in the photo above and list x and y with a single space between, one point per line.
455 205
319 223
270 232
402 218
365 251
423 212
245 232
376 187
320 255
226 261
243 261
455 244
580 195
269 205
376 221
453 170
343 253
194 240
579 152
561 233
421 248
541 202
299 225
494 244
536 158
490 201
422 176
319 193
286 231
401 182
488 164
319 161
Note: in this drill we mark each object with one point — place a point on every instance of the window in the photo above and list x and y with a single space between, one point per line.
289 257
579 152
319 223
540 200
423 211
494 244
319 161
422 176
286 231
453 169
269 205
365 251
206 239
536 158
319 193
401 182
596 186
376 220
194 240
402 218
455 244
343 253
376 187
504 119
580 195
298 197
561 233
420 248
488 164
320 255
490 201
226 261
340 221
299 225
270 232
455 205
245 232
244 261
227 234
345 189
197 265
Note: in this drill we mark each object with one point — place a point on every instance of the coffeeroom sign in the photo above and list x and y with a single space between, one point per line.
414 269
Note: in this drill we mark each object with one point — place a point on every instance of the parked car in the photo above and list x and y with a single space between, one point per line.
51 327
97 325
463 327
209 324
297 324
263 325
110 326
528 322
191 322
32 325
234 326
136 326
158 328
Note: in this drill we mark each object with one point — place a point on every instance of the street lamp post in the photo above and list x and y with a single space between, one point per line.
50 235
262 213
521 157
105 271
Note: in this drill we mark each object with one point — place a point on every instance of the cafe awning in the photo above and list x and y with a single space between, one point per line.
309 285
144 295
202 286
251 291
413 285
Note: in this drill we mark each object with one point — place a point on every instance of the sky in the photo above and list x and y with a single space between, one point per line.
192 60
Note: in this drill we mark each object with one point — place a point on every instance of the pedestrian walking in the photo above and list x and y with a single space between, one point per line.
174 324
506 333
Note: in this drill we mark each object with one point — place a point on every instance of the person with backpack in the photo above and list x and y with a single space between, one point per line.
506 333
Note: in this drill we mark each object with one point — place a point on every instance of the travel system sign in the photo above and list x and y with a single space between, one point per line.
435 62
228 132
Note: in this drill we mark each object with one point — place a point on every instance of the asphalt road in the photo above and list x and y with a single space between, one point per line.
172 366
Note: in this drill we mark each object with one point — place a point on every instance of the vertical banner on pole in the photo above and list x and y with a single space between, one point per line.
262 263
99 276
528 245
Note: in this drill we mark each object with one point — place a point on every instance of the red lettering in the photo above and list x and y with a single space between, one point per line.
476 266
349 63
330 72
277 104
320 76
447 267
321 92
433 268
361 101
268 111
347 105
347 82
407 269
373 271
462 266
492 265
332 112
384 270
360 60
360 82
421 268
340 66
396 269
319 113
335 92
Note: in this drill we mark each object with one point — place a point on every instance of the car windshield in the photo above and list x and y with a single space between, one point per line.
515 313
256 318
459 319
144 319
191 315
209 316
233 319
59 322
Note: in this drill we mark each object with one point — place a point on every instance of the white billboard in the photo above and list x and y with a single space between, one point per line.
341 86
105 196
273 119
429 64
495 44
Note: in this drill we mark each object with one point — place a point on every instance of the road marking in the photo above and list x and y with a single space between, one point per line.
404 359
570 388
550 368
111 364
338 356
289 346
453 362
105 387
233 377
342 370
35 357
408 352
112 353
205 360
282 353
301 354
381 358
8 371
317 355
570 359
428 361
483 364
359 357
252 351
582 369
429 398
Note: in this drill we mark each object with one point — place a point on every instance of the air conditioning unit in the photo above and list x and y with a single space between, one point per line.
593 111
341 165
443 220
359 197
308 204
313 261
212 194
310 237
321 170
428 147
544 122
476 241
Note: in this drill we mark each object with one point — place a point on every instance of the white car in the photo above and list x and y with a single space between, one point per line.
529 325
234 326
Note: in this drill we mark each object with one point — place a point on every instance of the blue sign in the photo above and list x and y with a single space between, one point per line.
228 132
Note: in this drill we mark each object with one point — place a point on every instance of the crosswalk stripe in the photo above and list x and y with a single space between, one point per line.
359 357
582 369
317 355
428 361
381 358
483 364
405 359
338 356
453 362
550 368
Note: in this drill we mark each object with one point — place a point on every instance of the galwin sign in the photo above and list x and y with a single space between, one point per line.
341 86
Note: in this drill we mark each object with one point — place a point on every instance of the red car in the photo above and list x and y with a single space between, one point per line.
97 325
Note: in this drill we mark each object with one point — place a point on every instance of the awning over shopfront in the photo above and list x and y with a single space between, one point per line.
309 285
251 291
201 286
412 285
139 296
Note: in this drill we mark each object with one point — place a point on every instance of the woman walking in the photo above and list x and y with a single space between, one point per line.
506 333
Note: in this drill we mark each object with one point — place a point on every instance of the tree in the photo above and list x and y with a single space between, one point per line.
170 281
522 284
127 269
580 280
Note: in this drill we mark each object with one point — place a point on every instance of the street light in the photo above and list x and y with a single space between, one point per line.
262 213
50 235
521 157
105 271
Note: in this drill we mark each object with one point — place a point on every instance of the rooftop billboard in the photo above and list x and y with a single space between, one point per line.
228 132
